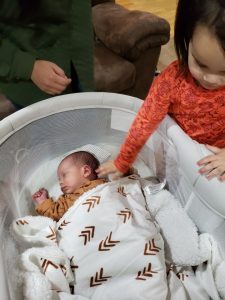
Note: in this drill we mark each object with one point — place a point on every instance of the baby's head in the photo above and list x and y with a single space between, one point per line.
75 170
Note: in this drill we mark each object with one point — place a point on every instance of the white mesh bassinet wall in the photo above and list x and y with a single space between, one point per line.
55 126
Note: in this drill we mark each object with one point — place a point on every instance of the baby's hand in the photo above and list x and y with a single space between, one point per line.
40 196
213 165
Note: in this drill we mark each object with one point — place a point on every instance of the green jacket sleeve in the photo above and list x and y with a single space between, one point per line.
15 64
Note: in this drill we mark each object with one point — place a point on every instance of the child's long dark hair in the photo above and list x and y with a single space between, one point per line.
194 12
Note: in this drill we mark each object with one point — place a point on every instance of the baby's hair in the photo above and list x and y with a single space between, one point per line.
85 158
190 13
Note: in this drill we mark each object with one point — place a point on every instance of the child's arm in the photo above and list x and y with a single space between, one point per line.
149 116
213 165
152 112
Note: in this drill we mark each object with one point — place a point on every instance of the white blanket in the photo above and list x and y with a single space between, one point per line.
115 250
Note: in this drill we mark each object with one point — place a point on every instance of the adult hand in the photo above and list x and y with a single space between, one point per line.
49 77
109 168
213 165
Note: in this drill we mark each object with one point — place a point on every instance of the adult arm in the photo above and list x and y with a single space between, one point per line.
15 64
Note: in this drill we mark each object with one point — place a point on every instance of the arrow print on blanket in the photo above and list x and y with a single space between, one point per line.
120 190
147 272
21 222
91 202
51 236
63 269
182 276
98 279
72 289
87 234
126 214
107 244
63 224
134 177
151 248
73 265
46 263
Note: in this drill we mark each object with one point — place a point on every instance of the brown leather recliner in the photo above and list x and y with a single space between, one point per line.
127 47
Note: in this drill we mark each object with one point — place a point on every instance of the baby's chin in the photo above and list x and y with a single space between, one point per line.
69 190
66 190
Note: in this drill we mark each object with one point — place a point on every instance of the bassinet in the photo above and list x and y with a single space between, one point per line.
52 127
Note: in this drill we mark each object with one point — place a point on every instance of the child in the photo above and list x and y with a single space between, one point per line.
191 90
76 174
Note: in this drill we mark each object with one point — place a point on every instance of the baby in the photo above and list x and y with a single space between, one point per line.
76 175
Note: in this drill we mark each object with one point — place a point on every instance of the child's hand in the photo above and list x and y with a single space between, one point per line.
40 196
213 165
109 168
49 77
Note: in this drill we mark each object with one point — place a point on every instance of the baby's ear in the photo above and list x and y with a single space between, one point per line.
86 171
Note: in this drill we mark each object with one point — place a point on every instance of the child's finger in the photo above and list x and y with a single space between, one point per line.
222 177
212 166
117 175
105 169
206 160
100 171
212 174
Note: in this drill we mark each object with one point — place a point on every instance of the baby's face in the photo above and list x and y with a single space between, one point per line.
70 176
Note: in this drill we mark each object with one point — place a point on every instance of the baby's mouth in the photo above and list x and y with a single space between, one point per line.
63 189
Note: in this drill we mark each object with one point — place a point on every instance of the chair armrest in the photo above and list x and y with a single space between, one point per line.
128 33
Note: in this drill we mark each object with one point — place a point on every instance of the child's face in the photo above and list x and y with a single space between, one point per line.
206 59
71 176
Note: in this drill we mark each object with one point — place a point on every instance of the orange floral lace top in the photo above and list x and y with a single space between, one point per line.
199 112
